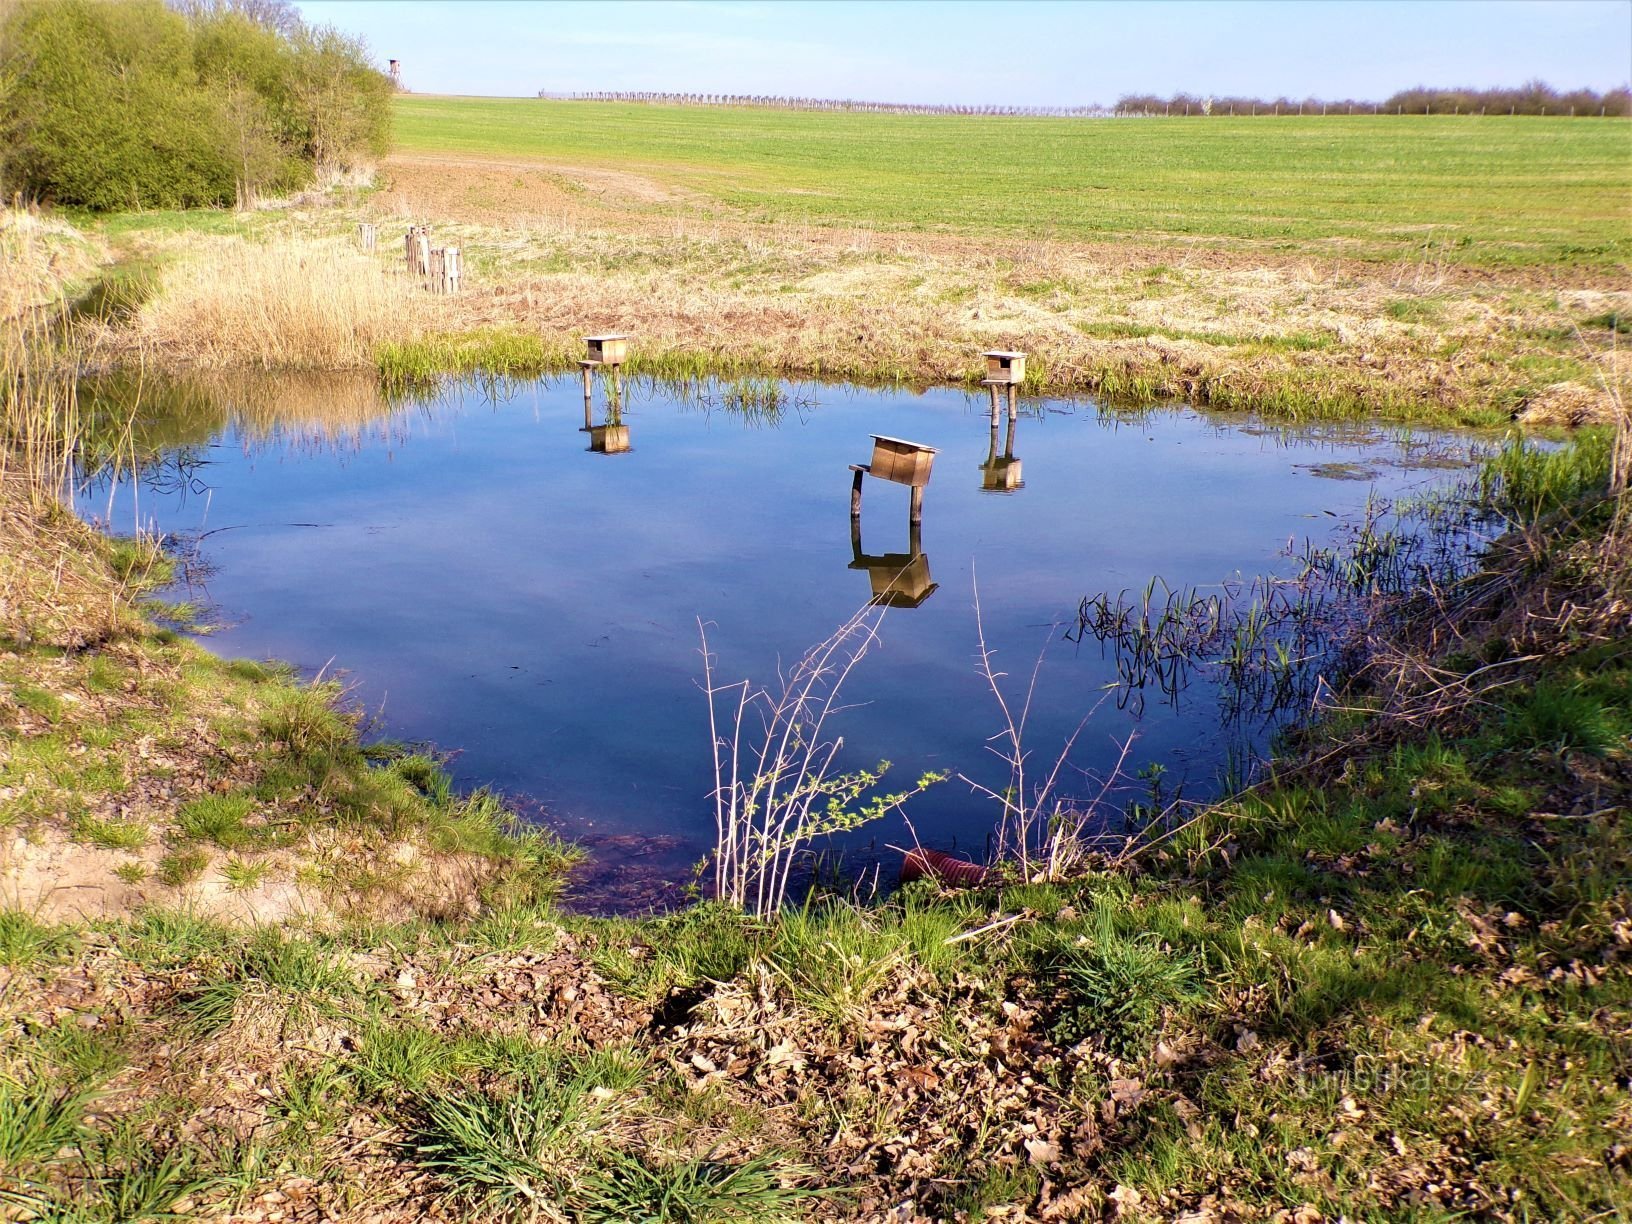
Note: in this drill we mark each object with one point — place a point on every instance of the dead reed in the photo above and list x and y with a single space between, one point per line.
282 304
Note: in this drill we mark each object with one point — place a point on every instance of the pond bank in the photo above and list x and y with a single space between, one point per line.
1391 979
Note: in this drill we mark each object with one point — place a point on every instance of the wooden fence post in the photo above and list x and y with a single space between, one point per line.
453 269
435 272
366 234
417 250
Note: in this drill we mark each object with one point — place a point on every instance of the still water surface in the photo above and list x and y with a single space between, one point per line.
487 582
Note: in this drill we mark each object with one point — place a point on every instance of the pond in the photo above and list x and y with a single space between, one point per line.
491 577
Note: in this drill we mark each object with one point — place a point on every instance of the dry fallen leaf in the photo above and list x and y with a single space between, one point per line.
1042 1153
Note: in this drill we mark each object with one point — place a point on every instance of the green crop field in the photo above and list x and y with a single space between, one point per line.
1485 191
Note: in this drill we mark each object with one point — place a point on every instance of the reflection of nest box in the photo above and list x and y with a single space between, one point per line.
609 439
1000 475
607 350
903 462
899 580
1005 367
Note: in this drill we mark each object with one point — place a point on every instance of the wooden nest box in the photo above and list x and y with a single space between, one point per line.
904 462
607 350
1005 368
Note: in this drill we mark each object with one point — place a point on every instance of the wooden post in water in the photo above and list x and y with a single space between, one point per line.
366 234
1004 371
900 461
605 352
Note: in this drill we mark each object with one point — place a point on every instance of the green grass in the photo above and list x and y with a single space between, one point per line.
694 1191
1492 192
500 1151
219 820
1522 482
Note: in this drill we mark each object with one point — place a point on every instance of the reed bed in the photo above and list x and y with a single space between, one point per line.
39 405
55 585
287 303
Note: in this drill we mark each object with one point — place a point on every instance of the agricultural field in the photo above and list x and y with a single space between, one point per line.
1482 192
1437 270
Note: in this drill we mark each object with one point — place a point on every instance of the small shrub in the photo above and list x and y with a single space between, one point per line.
136 105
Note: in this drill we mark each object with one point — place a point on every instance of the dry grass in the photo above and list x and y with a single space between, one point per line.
557 252
40 258
55 588
554 252
282 304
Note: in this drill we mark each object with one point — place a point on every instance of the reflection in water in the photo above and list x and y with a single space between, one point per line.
480 608
1001 473
611 436
899 580
134 418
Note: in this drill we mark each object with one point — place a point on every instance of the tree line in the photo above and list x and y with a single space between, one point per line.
203 102
1534 98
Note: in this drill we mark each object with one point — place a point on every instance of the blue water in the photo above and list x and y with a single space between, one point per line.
485 582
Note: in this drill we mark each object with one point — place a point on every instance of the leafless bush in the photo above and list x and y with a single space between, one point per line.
1042 834
776 788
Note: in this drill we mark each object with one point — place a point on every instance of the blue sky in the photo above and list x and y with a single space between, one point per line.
1016 52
